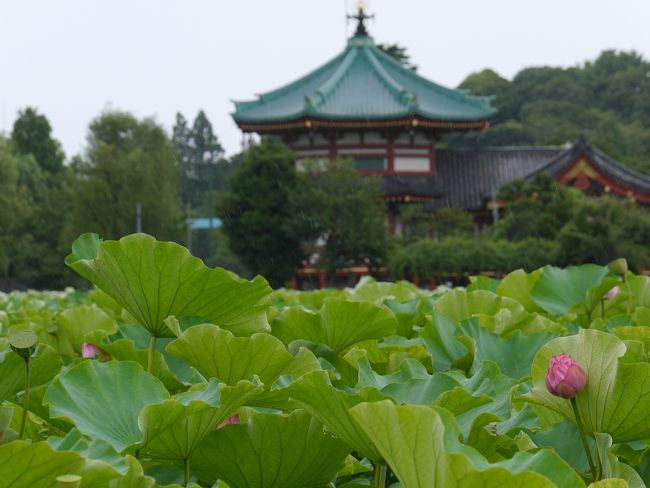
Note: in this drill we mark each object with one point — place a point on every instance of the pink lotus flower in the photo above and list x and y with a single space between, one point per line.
565 378
613 293
234 419
91 351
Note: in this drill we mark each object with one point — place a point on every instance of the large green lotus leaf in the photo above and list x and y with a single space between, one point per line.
635 333
270 451
640 288
73 324
94 449
557 290
518 285
104 399
43 367
339 324
487 391
616 398
612 467
408 314
174 428
542 461
411 438
483 283
38 465
217 353
387 355
439 335
368 289
330 405
125 350
499 314
487 442
513 354
411 384
153 280
134 478
564 438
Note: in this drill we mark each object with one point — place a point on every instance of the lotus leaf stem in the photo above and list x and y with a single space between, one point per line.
186 476
629 296
583 438
150 356
379 476
23 421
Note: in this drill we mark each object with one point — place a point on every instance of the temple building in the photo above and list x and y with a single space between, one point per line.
365 105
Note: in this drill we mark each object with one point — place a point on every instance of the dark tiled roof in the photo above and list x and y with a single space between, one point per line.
613 169
470 176
414 185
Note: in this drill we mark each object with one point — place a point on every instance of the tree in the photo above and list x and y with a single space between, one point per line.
398 53
488 83
44 185
538 208
607 100
604 229
127 161
200 158
15 208
336 205
256 214
32 134
420 223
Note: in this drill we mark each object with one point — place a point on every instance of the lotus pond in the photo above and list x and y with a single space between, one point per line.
169 373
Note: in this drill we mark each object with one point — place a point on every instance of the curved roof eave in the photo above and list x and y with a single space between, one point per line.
279 106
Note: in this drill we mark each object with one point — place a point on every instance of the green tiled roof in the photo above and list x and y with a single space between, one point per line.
362 83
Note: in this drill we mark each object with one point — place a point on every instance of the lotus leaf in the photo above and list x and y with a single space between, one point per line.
153 280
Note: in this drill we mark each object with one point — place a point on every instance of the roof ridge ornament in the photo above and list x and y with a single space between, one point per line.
361 30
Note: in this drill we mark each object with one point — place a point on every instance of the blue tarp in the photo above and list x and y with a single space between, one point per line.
204 223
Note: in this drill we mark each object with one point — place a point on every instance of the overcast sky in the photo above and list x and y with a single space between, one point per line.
72 59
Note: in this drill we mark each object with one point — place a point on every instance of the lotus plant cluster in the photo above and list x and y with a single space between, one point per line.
168 373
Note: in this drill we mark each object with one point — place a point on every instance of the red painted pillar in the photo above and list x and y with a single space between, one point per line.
390 154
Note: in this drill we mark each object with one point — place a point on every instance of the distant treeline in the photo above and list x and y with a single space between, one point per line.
607 100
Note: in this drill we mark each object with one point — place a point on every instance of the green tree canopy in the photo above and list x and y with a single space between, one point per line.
127 161
343 209
538 208
32 134
256 213
201 167
607 100
399 54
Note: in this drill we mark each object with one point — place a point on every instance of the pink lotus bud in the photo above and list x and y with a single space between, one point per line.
565 378
92 351
229 421
613 293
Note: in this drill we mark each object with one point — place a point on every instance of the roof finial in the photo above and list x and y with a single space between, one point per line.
360 17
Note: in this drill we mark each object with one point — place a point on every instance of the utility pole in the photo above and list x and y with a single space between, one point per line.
189 226
210 210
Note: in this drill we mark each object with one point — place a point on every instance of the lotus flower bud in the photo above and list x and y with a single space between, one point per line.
565 378
92 351
234 419
618 266
613 293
